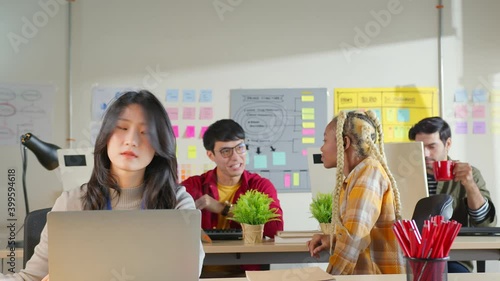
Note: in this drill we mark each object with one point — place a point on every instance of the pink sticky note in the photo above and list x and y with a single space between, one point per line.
479 127
202 132
461 128
206 113
304 152
478 111
176 130
287 180
188 113
308 132
190 132
173 113
461 111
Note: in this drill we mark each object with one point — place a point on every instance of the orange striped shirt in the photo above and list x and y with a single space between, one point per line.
366 244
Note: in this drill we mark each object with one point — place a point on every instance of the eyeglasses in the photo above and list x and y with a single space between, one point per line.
227 152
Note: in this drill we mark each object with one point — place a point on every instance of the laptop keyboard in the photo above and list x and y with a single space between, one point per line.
224 234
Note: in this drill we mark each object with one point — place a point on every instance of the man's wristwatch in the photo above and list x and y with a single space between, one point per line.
227 208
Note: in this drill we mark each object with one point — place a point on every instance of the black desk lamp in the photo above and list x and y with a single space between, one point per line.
46 154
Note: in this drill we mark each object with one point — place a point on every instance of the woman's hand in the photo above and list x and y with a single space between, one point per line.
318 243
46 278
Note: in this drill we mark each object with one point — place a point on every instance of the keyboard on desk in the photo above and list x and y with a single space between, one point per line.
479 231
224 234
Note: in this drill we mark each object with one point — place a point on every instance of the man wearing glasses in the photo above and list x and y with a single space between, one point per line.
217 190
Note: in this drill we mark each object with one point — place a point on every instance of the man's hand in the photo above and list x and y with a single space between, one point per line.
463 173
318 243
207 202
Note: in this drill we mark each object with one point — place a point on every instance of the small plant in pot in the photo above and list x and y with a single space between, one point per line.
321 210
252 211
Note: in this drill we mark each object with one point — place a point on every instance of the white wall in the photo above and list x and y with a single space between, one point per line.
253 44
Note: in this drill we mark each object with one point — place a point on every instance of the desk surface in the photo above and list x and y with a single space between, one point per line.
397 277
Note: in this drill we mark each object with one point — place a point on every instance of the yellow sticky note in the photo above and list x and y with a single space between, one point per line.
308 140
307 110
307 116
192 152
308 125
495 96
307 98
296 179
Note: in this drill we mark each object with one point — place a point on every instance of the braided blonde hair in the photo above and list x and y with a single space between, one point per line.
362 129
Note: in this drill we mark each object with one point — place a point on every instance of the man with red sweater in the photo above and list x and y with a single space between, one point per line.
217 190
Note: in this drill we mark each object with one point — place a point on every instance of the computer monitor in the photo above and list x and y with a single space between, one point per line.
407 164
75 166
321 179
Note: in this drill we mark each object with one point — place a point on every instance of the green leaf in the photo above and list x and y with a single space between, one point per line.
253 208
321 208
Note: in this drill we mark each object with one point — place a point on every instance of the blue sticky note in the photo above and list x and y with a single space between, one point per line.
279 158
479 95
461 95
172 95
206 95
378 113
260 162
403 115
188 95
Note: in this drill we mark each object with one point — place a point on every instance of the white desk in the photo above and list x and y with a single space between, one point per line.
235 252
397 277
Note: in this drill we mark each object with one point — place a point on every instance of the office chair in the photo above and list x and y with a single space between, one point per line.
33 226
439 204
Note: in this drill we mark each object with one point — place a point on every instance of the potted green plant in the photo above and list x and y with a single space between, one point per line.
321 210
252 210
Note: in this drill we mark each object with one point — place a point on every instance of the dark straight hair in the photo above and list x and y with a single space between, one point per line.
160 177
222 130
431 125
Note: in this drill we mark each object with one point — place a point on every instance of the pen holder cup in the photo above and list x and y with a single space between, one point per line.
427 269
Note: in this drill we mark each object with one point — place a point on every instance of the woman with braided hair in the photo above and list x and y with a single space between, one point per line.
365 199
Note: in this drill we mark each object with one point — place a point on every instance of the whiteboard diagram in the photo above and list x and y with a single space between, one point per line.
25 108
280 124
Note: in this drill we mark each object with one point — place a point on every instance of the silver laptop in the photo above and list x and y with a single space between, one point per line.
124 245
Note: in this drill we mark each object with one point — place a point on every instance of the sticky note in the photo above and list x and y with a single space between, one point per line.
378 113
308 125
188 113
478 111
461 128
308 132
206 113
307 113
495 128
205 95
495 96
307 98
279 158
188 96
479 127
202 131
190 132
390 114
173 113
308 140
461 111
175 128
495 111
286 180
304 152
479 95
172 95
192 152
260 161
403 115
296 179
461 95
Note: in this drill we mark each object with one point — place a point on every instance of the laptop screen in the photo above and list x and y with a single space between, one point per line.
124 245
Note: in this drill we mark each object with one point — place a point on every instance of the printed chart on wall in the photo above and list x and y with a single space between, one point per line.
397 108
280 124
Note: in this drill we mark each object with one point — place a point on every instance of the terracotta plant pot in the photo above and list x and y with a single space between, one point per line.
252 234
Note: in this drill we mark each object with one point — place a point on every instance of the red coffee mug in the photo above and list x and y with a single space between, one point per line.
443 170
